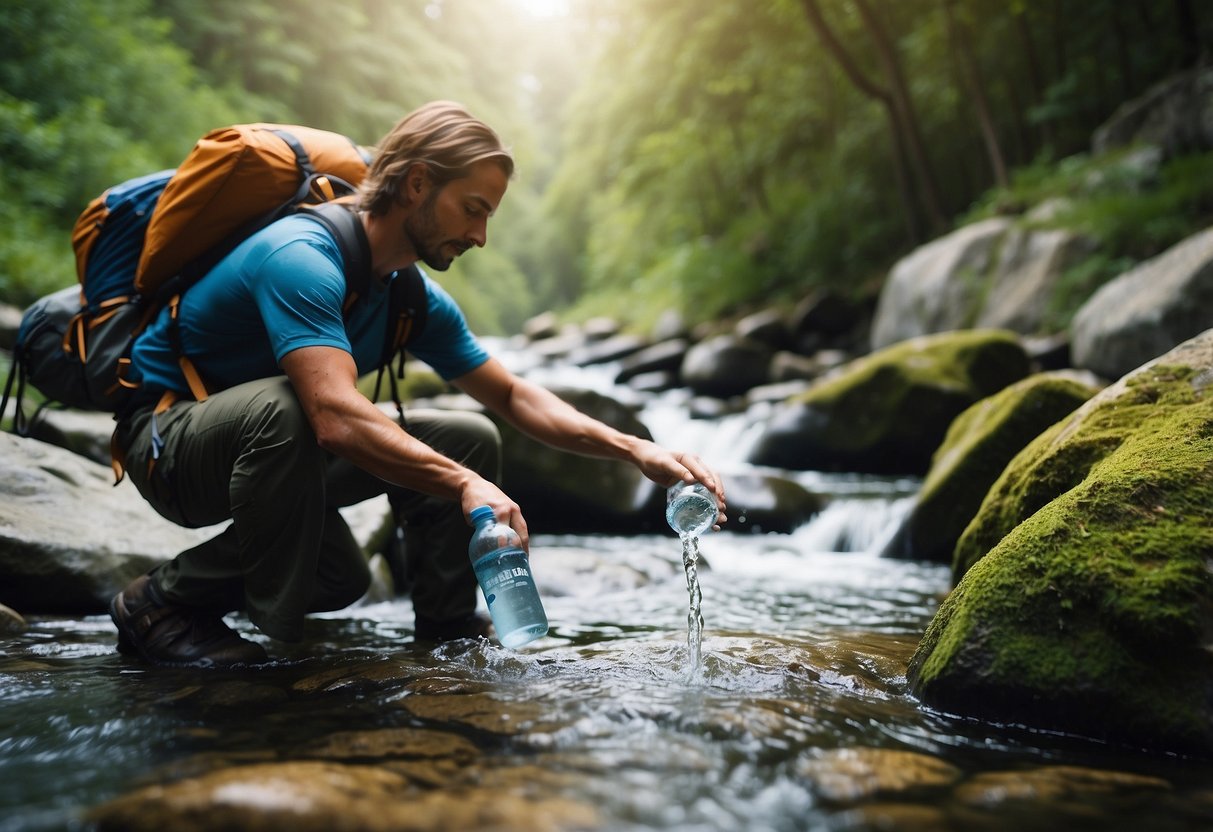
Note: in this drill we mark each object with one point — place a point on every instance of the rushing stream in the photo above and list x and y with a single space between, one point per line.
795 715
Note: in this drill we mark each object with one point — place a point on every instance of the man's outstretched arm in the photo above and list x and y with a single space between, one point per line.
544 416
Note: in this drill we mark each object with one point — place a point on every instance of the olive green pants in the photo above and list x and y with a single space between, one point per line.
248 455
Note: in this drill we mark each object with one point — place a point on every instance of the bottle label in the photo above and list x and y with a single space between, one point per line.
504 575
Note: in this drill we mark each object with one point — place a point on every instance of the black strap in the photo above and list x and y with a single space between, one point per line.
16 373
345 226
301 158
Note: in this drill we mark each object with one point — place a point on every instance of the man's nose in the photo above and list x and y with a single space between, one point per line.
479 234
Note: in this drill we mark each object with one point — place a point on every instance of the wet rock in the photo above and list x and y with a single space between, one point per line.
790 366
543 325
11 622
994 789
1146 311
575 572
726 365
765 503
79 431
887 412
654 382
825 312
1087 603
853 775
600 328
368 674
233 695
610 349
766 327
480 711
564 493
323 796
665 356
903 817
395 744
772 393
69 539
978 446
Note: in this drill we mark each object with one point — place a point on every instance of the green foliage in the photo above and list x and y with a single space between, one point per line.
85 102
1130 207
707 157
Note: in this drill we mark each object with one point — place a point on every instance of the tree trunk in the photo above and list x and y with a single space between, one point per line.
1035 71
970 72
1189 33
920 161
897 128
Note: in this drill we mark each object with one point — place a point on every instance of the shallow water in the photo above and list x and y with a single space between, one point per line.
798 717
803 653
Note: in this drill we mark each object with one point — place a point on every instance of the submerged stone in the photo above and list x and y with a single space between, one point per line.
1087 598
852 775
994 789
322 796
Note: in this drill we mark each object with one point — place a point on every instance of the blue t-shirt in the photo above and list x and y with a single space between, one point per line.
281 289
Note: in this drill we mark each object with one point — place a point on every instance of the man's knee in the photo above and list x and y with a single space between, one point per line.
471 439
484 445
275 420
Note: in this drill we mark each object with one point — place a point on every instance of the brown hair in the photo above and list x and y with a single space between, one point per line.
440 135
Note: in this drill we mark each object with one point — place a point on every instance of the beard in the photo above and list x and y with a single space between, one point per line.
421 230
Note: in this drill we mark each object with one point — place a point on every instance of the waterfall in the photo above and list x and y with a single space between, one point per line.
864 511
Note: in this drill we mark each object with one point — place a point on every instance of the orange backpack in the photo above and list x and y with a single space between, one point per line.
235 180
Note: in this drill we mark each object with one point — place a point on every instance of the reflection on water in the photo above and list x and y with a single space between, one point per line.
804 658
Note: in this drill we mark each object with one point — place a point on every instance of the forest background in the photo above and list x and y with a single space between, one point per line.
701 156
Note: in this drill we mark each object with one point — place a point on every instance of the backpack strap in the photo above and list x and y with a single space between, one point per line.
408 308
408 301
343 223
16 373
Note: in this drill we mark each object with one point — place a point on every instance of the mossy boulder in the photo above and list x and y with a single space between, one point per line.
978 445
886 413
1087 602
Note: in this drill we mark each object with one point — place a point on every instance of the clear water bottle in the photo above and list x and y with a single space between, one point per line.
504 573
690 508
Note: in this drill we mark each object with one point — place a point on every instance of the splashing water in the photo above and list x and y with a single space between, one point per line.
690 561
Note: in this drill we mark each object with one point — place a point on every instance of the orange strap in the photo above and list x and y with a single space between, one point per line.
118 455
325 187
192 378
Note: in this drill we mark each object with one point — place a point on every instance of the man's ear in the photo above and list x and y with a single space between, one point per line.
416 181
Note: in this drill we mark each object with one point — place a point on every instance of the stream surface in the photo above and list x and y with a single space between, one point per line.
798 718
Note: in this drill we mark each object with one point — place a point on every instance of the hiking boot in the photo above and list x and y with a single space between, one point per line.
468 626
174 636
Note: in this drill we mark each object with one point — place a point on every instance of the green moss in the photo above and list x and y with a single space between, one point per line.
931 378
1090 612
977 447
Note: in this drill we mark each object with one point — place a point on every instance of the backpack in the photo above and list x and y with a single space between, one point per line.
142 243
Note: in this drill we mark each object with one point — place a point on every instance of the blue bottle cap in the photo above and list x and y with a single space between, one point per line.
481 512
